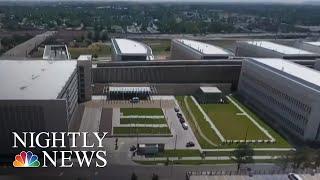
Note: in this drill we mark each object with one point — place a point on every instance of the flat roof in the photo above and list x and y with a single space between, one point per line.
316 43
210 89
56 52
129 89
127 46
86 57
204 48
34 79
280 48
301 72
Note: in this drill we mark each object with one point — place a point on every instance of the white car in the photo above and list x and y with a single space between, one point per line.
293 176
185 126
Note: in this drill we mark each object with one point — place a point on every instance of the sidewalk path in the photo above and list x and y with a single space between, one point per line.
142 158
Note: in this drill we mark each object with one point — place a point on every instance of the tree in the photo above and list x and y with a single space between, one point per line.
134 176
243 154
302 158
317 158
285 160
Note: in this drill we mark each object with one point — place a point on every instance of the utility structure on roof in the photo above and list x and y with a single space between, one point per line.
190 50
130 50
56 52
285 93
266 49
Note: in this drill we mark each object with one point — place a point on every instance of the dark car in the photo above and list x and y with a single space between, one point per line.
179 115
182 120
190 144
133 148
176 109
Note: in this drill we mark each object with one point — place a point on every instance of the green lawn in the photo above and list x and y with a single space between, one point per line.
231 125
142 121
102 50
256 153
280 141
199 162
159 46
206 129
179 153
141 111
141 130
204 126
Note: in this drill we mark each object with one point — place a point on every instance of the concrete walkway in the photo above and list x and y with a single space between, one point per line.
142 158
143 125
90 120
255 149
141 117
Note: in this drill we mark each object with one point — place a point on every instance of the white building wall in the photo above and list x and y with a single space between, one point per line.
180 52
248 50
289 103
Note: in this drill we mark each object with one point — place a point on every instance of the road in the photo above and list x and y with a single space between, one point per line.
22 50
218 35
123 172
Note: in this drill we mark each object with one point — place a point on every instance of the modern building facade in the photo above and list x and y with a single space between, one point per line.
40 96
190 50
266 49
129 50
285 93
84 64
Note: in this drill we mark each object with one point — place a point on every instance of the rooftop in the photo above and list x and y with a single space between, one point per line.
316 43
56 52
127 46
300 72
36 79
280 48
210 89
87 57
204 48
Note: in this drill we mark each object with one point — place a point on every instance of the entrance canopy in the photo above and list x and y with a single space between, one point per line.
125 93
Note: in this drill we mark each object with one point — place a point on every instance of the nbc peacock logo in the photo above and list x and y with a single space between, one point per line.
26 159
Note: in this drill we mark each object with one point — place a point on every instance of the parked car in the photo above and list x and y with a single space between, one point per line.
185 126
135 100
176 109
182 120
133 148
293 176
190 144
179 115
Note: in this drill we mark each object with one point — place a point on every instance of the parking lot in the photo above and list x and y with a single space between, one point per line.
93 119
